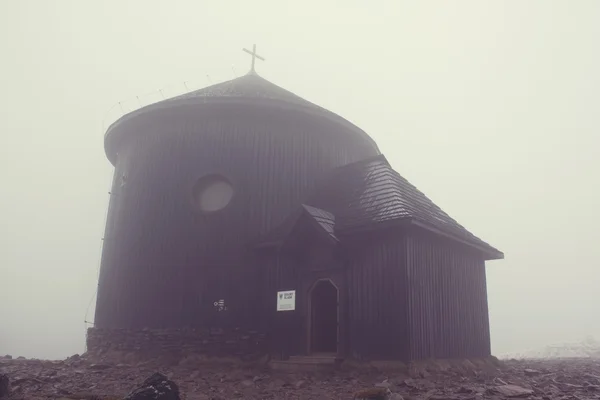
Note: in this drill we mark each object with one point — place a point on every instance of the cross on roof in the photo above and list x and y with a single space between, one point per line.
254 57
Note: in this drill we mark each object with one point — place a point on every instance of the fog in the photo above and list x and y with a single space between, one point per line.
490 108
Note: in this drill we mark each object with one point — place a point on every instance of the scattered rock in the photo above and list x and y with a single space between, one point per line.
301 384
531 372
513 391
99 367
551 379
156 387
385 384
4 386
395 396
277 383
376 393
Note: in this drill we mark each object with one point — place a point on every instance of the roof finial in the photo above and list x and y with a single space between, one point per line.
254 57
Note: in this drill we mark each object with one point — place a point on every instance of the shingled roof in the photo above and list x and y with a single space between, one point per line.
321 219
324 219
369 195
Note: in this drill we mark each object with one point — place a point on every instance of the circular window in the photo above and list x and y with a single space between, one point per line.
212 193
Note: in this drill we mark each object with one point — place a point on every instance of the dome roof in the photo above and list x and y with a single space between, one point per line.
249 89
250 86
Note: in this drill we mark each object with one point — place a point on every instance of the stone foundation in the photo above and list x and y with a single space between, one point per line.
234 343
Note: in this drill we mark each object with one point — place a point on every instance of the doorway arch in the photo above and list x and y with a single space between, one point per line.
323 321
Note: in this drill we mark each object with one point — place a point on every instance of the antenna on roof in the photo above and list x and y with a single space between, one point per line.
186 86
206 91
234 73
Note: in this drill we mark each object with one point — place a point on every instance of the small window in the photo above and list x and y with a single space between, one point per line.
212 193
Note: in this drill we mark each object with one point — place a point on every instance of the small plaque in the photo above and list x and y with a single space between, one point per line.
286 301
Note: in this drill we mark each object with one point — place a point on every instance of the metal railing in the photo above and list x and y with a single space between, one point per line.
126 106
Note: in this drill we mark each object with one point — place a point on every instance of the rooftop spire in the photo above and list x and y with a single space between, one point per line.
254 57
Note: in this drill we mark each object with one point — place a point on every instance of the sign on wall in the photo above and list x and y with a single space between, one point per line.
286 301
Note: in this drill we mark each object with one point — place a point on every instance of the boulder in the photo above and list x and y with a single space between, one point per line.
99 367
301 384
385 384
512 391
156 387
376 393
531 372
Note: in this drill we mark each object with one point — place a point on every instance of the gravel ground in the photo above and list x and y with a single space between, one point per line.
78 378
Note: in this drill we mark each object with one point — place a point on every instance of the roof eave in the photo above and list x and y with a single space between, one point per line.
490 252
220 101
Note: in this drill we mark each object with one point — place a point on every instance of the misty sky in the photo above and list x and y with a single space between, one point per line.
489 107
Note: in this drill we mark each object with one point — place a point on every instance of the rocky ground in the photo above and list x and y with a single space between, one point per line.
79 378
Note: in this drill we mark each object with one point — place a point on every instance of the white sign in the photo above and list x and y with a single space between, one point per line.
286 301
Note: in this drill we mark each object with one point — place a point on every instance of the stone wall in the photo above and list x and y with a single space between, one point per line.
245 345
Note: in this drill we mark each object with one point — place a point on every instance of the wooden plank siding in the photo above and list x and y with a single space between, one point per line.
284 329
406 295
447 299
158 249
297 265
377 319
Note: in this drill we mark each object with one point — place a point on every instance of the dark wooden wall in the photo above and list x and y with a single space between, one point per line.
278 272
377 297
163 263
447 299
412 295
405 295
304 259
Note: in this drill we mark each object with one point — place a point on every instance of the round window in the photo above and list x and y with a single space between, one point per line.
212 193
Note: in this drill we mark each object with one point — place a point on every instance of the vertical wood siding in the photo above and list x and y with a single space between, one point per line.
284 329
163 263
377 296
447 300
405 296
302 261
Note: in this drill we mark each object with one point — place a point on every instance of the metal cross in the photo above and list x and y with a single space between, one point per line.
254 57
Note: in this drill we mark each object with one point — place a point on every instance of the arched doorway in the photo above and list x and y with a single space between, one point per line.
324 317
